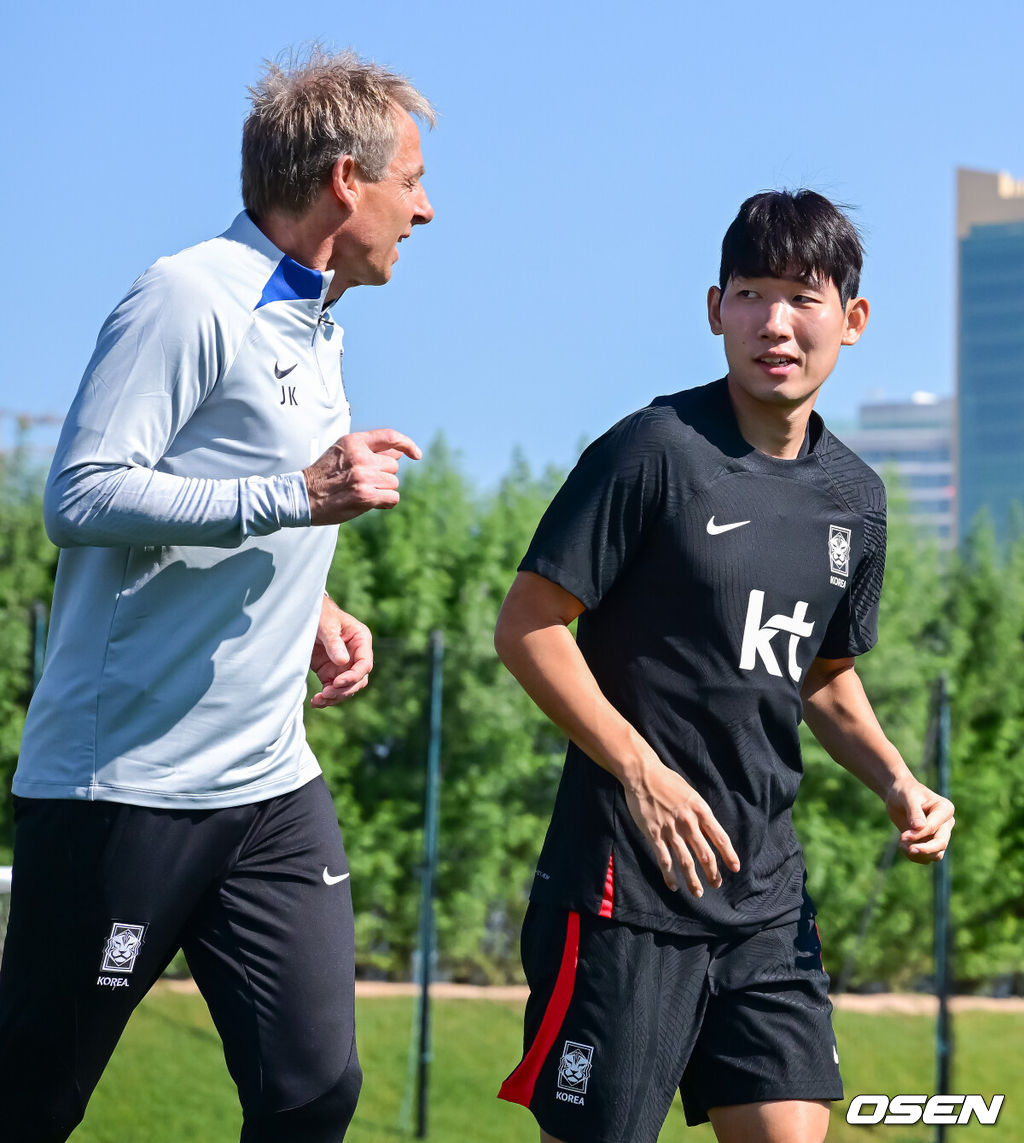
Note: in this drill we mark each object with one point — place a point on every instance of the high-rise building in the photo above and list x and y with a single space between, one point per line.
990 372
912 441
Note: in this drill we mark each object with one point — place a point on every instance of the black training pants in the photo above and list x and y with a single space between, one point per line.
258 897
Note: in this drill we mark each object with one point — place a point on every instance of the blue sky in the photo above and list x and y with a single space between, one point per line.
588 160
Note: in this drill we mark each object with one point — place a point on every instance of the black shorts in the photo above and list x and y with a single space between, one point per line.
620 1017
258 896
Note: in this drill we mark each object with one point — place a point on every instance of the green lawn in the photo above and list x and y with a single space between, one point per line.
167 1081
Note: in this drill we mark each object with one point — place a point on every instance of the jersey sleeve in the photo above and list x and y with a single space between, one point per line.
853 628
597 520
157 358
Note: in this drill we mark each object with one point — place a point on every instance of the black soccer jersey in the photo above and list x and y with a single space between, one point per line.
712 575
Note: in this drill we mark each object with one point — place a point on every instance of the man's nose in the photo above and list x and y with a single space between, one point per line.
777 321
424 211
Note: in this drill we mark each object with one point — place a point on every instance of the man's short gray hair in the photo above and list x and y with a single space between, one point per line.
311 112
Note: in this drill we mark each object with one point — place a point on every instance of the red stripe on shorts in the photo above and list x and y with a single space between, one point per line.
608 900
518 1088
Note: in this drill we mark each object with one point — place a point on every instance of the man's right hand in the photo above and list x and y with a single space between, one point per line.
679 826
358 472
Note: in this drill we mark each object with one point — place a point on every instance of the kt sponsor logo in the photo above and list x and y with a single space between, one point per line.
758 636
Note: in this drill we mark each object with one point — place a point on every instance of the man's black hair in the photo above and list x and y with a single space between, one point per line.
793 234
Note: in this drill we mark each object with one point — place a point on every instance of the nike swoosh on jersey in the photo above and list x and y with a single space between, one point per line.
329 880
279 372
717 529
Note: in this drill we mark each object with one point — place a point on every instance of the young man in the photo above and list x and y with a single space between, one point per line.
165 793
724 553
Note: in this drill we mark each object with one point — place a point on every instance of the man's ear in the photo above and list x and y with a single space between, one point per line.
715 310
857 310
345 182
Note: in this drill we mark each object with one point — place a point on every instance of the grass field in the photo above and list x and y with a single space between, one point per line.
167 1081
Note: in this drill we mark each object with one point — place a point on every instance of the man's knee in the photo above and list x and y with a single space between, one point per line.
324 1119
42 1100
773 1121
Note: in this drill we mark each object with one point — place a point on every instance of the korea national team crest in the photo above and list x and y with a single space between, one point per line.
574 1067
839 551
122 947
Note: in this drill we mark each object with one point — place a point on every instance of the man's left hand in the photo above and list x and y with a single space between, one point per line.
342 655
924 819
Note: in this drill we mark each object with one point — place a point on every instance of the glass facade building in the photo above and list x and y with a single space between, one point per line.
912 441
990 372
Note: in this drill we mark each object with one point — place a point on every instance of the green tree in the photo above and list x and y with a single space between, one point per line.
986 623
443 560
27 564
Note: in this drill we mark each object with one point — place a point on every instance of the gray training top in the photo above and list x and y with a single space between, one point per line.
189 588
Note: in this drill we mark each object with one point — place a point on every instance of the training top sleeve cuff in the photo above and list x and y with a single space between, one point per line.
273 502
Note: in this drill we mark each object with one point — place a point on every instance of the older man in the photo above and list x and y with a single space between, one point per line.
165 793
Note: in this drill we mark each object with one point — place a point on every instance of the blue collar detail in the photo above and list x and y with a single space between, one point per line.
291 281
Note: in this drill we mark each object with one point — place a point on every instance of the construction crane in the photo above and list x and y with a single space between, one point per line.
24 425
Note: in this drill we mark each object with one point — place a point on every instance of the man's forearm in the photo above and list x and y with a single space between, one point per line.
550 668
533 640
838 712
841 718
113 506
